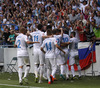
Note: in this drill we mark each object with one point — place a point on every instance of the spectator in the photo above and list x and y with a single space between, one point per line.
6 35
11 38
1 37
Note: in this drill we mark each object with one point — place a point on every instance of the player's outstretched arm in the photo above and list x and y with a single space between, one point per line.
30 42
42 50
60 48
65 44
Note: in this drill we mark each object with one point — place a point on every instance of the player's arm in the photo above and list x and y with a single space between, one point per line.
42 50
60 48
15 45
42 46
46 36
61 32
64 44
29 34
30 42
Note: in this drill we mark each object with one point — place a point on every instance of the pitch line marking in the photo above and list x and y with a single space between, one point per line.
20 86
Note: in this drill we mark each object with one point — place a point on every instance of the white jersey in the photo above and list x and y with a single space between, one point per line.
21 40
65 39
37 37
74 44
58 40
49 44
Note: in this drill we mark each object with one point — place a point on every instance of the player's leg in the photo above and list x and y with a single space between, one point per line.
66 65
78 65
27 68
72 62
20 69
48 70
41 59
36 64
53 66
60 62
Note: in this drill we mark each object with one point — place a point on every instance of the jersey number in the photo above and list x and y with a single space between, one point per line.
19 46
48 46
35 38
65 39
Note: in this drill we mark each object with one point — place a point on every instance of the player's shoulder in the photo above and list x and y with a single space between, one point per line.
66 35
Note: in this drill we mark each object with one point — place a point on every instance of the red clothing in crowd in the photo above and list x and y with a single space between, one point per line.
82 36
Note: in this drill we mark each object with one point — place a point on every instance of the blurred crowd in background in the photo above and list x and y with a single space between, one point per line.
72 15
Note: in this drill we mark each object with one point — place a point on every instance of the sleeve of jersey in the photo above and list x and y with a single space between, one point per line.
26 38
55 41
70 41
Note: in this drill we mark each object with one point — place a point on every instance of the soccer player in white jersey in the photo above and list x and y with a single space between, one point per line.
49 44
37 36
57 33
64 46
73 47
22 54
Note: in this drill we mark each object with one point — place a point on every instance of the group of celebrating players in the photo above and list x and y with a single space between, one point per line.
51 50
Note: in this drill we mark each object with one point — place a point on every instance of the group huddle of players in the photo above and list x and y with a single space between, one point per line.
51 50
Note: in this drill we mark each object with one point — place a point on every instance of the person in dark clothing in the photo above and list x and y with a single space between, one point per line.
6 35
90 35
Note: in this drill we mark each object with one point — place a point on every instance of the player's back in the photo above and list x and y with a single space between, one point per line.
65 38
74 44
21 45
58 40
50 47
37 37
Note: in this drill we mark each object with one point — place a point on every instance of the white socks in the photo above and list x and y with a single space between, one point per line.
67 71
72 70
36 71
41 71
54 71
79 70
20 71
62 68
26 71
48 75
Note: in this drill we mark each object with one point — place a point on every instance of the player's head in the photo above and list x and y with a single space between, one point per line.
49 32
23 30
73 34
65 31
58 31
49 27
54 32
39 26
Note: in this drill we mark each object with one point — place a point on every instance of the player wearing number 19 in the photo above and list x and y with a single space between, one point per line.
22 54
50 44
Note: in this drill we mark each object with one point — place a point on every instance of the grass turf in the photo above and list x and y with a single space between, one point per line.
85 82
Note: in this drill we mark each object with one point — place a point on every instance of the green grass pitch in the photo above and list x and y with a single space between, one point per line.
10 80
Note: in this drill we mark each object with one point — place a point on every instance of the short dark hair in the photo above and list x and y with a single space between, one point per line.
74 33
65 31
54 31
49 27
49 32
58 30
40 26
